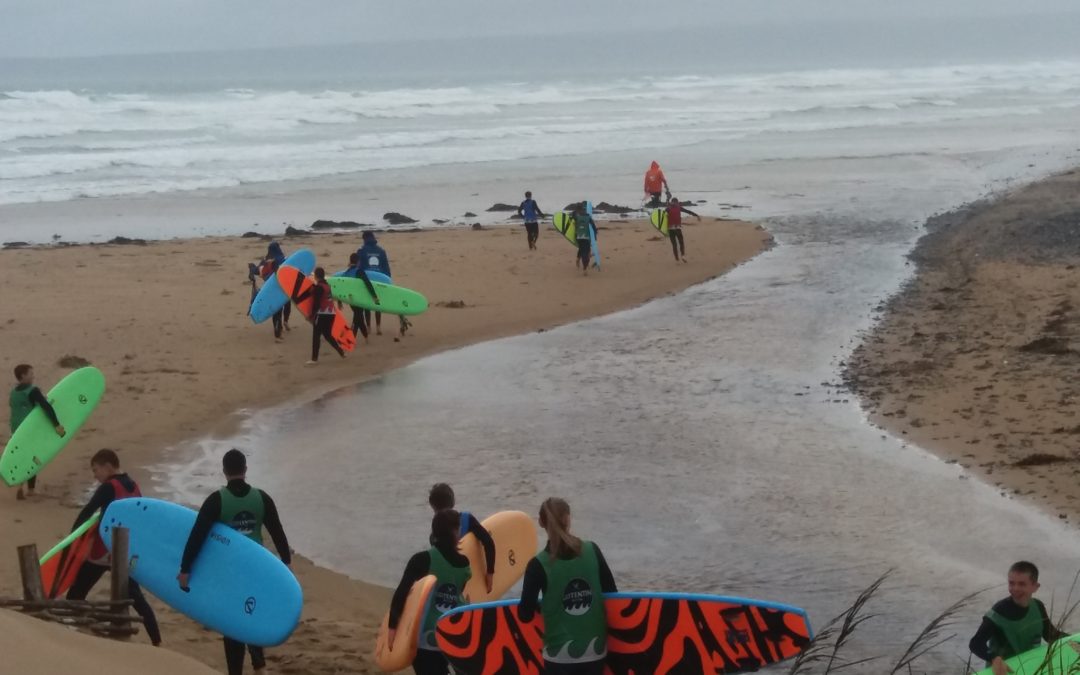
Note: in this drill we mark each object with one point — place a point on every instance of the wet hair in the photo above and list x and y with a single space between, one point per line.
105 456
554 517
21 370
234 463
1025 567
368 236
353 258
444 528
528 194
441 497
320 273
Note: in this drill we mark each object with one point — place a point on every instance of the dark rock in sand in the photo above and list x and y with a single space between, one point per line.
604 207
334 225
439 221
451 304
395 218
70 361
1048 345
16 244
497 208
125 241
517 217
469 214
477 226
291 231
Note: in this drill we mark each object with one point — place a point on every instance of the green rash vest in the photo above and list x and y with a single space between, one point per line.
21 405
1021 635
243 514
449 585
575 626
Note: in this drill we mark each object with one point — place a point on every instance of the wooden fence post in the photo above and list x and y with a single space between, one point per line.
30 570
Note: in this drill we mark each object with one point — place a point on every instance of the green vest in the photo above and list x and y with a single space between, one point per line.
243 514
449 585
1021 635
21 405
582 229
575 626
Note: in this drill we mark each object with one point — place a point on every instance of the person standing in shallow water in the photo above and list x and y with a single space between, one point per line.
572 576
530 212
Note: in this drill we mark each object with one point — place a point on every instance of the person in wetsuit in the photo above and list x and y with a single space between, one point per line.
24 397
247 510
530 212
674 213
441 497
270 264
572 576
359 319
452 572
1016 624
322 324
582 224
372 258
114 484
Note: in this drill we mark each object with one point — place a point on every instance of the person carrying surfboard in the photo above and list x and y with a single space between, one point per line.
582 224
441 497
1016 624
323 322
359 321
23 399
674 214
572 576
655 182
530 212
452 571
373 258
269 266
247 510
113 485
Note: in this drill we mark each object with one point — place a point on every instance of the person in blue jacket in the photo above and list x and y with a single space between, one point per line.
372 258
530 212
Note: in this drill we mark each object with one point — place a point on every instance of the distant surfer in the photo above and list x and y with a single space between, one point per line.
270 264
655 183
1016 624
322 324
674 214
22 401
247 510
442 498
359 320
114 485
452 571
530 212
572 576
582 224
372 258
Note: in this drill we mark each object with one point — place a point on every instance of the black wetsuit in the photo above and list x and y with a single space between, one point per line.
359 317
38 399
323 325
209 513
1007 609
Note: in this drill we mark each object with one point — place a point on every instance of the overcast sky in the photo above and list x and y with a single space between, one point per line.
91 27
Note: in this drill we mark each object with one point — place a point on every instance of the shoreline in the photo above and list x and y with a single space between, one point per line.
166 322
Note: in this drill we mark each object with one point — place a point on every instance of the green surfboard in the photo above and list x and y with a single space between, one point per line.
392 299
66 541
35 443
565 223
1058 658
659 220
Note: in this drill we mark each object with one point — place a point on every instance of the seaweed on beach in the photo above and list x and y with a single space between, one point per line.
72 361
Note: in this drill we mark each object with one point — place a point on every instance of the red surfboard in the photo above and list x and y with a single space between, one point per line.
296 284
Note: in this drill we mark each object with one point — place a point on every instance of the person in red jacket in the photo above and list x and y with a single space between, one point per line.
655 182
323 322
674 214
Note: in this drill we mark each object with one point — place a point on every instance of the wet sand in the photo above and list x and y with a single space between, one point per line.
166 323
978 358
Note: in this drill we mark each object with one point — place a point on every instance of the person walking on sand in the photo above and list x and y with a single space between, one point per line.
441 497
322 324
582 224
452 571
1016 624
572 577
372 258
22 400
674 214
530 212
270 264
655 182
113 485
359 321
247 510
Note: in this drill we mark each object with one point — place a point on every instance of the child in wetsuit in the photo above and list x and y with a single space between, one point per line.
442 498
24 397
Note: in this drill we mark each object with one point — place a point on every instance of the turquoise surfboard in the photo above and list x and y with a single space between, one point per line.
592 238
372 275
271 297
237 587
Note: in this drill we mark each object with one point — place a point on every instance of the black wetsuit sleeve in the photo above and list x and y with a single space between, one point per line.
37 397
488 544
208 515
534 583
361 274
607 579
102 497
980 643
1050 631
686 210
418 568
272 523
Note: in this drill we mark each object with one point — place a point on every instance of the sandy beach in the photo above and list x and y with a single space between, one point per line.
167 324
978 358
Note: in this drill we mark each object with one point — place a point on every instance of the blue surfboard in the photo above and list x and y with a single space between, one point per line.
271 297
592 238
237 587
372 275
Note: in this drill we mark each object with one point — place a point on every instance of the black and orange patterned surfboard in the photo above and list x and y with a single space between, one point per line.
648 633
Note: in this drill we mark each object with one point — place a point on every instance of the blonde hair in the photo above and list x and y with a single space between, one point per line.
555 518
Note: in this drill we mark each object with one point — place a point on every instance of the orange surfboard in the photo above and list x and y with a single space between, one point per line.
296 284
400 655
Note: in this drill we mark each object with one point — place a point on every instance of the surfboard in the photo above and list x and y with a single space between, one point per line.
296 284
565 223
392 299
1058 658
62 562
35 443
272 297
516 543
656 633
237 587
659 220
592 238
371 275
401 654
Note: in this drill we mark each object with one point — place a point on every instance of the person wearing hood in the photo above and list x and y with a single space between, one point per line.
270 264
655 183
372 258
